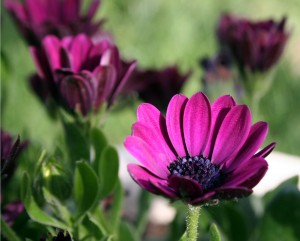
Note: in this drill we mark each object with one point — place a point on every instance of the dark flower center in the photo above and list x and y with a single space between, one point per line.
199 169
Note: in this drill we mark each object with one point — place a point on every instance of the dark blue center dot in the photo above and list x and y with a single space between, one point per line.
198 168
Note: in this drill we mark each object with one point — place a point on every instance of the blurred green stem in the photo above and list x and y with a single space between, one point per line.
256 85
192 218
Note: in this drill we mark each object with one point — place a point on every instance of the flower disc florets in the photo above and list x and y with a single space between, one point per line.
197 168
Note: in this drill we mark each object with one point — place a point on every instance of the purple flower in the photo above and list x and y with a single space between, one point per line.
157 86
11 211
217 68
254 45
37 18
78 73
10 150
200 152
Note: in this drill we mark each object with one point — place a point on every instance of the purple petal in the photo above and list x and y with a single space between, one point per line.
165 189
41 62
104 77
219 110
149 181
174 122
248 174
79 51
52 48
77 93
232 134
197 121
12 211
123 81
72 10
232 192
155 162
37 10
186 187
203 199
153 138
266 151
151 116
17 8
93 9
255 139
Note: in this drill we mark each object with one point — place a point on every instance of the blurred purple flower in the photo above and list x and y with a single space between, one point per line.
157 86
10 150
11 211
200 152
38 18
78 73
217 68
254 45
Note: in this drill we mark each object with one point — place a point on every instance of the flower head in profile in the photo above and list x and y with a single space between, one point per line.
10 150
199 152
38 18
256 46
77 73
157 86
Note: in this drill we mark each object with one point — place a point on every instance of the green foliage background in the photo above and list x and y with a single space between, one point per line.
158 33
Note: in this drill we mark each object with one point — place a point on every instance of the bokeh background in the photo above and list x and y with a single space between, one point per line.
157 34
160 33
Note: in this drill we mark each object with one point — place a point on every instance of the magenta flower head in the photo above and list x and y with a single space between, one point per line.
157 86
10 150
256 46
77 73
38 18
200 152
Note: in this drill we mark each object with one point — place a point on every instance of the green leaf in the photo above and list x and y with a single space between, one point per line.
282 215
99 142
291 181
57 179
231 219
76 142
58 208
183 237
86 188
97 216
8 232
33 210
108 238
126 232
214 233
108 171
116 207
143 209
92 227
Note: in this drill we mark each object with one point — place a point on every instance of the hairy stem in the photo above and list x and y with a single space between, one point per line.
192 222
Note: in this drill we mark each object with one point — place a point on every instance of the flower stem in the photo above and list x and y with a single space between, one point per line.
192 222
